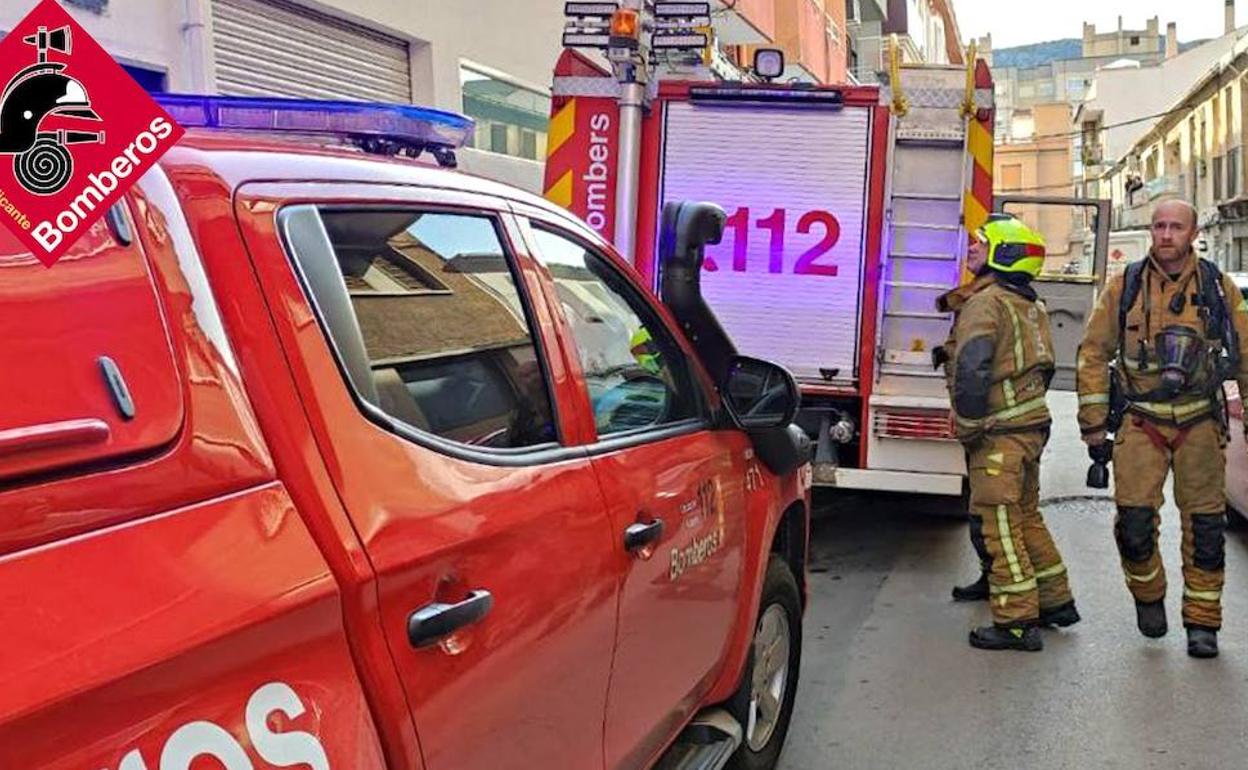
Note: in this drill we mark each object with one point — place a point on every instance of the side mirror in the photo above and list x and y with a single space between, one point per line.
759 395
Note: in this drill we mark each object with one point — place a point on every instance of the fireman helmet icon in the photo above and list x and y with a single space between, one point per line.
42 163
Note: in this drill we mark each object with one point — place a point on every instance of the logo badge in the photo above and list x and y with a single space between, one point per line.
75 131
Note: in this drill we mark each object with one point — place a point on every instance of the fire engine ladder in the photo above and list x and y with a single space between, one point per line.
925 242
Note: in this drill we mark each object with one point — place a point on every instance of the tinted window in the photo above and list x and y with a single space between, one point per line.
447 338
636 374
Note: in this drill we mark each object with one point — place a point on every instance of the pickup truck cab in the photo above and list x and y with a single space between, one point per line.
316 457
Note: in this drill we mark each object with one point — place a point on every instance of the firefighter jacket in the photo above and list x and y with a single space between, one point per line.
1001 358
1163 301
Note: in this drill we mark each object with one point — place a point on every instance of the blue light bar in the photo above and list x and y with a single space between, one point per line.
376 126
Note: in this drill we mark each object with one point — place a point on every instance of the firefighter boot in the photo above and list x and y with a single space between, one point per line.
1151 619
972 592
1019 637
1060 616
1202 642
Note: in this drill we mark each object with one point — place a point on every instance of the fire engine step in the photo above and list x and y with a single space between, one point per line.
706 744
922 196
917 286
927 226
913 255
952 139
916 314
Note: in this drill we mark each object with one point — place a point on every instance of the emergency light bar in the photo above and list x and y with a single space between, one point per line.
679 40
743 96
681 10
387 129
600 10
576 39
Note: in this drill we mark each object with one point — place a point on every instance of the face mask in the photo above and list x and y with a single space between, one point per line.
1179 350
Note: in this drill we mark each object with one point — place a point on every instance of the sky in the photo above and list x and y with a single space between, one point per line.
1019 22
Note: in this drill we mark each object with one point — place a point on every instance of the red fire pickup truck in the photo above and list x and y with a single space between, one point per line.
317 456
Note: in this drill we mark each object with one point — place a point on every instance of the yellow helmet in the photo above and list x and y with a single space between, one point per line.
1013 247
645 351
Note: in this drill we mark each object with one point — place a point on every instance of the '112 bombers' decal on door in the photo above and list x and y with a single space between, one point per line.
75 131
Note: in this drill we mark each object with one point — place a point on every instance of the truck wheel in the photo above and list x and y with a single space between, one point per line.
764 702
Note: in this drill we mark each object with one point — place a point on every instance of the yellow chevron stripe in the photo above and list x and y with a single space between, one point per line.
980 142
560 193
562 126
976 213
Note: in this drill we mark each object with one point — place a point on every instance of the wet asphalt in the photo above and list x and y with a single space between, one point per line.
888 680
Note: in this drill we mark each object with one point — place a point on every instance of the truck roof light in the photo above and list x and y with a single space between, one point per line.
577 39
602 10
681 10
810 97
626 23
769 63
386 129
679 40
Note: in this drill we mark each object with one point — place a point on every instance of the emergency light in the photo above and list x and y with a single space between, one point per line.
387 129
600 10
681 10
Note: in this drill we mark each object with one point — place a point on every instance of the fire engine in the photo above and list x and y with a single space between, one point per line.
848 209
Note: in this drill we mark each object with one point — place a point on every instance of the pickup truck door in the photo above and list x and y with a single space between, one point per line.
163 600
439 407
674 486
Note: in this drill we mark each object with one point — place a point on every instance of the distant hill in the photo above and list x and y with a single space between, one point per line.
1034 55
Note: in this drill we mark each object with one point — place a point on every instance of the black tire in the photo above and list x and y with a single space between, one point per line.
779 590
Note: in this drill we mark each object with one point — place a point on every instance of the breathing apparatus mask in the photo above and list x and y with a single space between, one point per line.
1181 353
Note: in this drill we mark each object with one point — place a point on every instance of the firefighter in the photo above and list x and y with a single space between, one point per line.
952 302
1163 337
1002 362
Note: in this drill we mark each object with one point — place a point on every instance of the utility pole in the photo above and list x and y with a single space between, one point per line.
630 68
628 31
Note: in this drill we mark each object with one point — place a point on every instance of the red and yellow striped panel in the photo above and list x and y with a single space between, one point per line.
977 203
559 167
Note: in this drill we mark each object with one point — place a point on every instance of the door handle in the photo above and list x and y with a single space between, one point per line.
431 623
642 534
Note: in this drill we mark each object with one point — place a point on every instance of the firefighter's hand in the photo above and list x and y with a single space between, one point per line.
1094 439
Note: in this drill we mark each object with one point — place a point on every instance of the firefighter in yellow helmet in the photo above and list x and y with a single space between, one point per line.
645 352
1000 364
1161 340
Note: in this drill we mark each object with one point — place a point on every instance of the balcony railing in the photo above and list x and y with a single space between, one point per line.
1155 188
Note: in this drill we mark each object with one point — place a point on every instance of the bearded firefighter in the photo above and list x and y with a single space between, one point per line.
1163 337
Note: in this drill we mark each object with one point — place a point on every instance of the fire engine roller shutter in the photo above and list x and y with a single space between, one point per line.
803 161
269 48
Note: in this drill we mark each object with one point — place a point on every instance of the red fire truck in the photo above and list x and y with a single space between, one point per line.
848 210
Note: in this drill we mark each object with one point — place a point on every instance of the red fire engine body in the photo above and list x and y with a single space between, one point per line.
848 212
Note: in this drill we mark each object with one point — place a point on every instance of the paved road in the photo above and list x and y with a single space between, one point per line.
888 680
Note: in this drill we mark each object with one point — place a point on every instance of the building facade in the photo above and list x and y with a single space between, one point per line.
926 31
1041 166
1195 152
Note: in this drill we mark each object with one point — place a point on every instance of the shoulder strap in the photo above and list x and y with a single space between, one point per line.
1213 295
1132 279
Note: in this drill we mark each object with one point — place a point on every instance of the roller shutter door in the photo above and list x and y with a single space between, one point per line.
273 48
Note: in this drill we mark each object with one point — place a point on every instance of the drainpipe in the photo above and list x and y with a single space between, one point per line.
193 36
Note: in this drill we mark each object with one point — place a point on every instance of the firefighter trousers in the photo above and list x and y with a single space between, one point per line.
1026 573
1144 454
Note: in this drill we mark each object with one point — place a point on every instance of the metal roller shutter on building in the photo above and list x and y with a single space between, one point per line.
273 48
